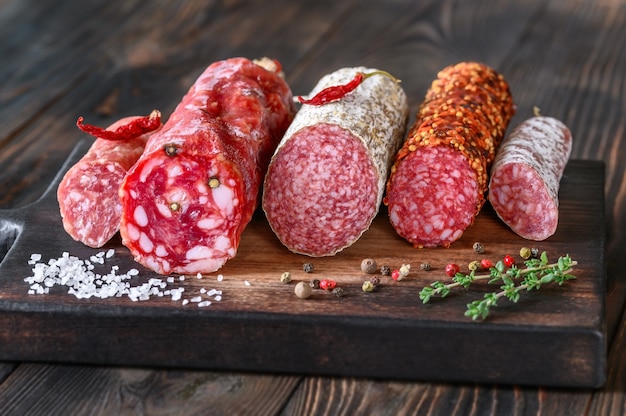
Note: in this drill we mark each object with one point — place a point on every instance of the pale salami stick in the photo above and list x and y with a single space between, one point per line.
88 193
326 180
525 177
189 197
438 181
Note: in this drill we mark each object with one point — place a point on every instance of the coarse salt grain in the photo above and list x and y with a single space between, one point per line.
220 277
204 303
246 283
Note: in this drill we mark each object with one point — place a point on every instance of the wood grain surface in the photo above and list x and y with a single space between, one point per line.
105 60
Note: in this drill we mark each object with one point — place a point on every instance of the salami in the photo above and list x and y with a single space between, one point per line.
88 193
525 177
326 180
439 178
187 200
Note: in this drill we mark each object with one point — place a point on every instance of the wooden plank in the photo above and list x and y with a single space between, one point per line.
265 327
38 389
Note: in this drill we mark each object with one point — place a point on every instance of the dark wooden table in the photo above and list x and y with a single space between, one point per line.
107 59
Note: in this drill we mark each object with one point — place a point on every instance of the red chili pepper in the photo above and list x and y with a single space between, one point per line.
128 131
337 92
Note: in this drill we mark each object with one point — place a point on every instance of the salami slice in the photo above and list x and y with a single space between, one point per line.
438 180
193 191
525 177
88 193
326 180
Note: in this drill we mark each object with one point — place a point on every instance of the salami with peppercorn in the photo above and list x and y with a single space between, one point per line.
525 177
88 193
326 180
189 197
439 178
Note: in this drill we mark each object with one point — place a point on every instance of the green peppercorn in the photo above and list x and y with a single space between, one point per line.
525 253
425 266
478 248
368 266
307 267
474 265
385 270
302 290
367 286
285 277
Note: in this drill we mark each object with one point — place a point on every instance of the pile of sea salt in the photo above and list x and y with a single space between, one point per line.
82 280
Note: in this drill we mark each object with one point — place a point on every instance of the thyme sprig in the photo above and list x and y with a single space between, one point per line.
514 280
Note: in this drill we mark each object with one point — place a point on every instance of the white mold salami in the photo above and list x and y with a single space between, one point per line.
525 176
326 180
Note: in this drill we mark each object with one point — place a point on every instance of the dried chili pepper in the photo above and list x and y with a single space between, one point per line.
135 128
337 92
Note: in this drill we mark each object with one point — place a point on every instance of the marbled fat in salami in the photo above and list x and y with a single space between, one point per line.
88 193
326 180
189 197
525 177
439 178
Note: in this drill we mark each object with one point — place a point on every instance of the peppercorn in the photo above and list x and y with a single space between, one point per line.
478 248
374 280
285 277
474 265
395 275
385 270
307 267
368 266
338 291
404 270
486 264
302 290
524 253
534 252
425 266
315 283
327 284
367 286
508 260
452 269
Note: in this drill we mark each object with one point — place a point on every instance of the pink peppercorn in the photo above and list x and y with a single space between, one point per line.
395 274
327 284
452 269
486 264
508 260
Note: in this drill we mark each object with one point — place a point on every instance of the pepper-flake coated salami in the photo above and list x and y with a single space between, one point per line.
525 177
191 194
88 193
326 180
439 178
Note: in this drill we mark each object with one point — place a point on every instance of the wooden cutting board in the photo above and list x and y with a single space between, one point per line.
553 337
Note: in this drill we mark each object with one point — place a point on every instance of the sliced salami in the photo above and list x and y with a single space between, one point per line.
192 193
88 193
525 177
439 177
326 180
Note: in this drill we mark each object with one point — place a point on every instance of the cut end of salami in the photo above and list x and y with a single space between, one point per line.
90 211
188 215
522 202
315 210
434 197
